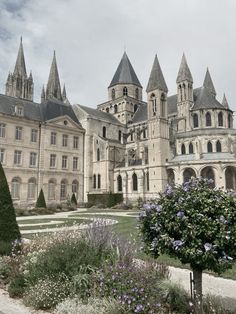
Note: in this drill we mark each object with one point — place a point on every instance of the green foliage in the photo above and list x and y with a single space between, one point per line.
214 305
9 230
41 200
194 223
17 286
106 199
73 199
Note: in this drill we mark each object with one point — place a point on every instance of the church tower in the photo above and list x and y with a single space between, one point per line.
18 84
53 89
184 96
158 127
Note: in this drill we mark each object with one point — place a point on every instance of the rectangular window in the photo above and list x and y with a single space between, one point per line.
64 162
53 138
75 163
2 155
33 157
76 142
52 160
34 135
99 181
19 131
17 157
64 140
2 130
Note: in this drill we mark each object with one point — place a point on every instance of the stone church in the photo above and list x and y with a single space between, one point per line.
126 145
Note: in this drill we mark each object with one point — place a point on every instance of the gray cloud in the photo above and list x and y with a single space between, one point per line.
89 37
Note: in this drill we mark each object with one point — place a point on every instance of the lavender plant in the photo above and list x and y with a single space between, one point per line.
195 223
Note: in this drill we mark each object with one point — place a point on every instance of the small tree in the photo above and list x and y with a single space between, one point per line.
195 223
9 230
41 200
73 199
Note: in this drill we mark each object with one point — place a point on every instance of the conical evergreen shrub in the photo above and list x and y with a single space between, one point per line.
41 200
9 230
73 199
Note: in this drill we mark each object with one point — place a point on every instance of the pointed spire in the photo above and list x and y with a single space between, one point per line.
184 72
125 73
208 84
30 76
225 102
53 86
43 96
156 79
20 68
64 92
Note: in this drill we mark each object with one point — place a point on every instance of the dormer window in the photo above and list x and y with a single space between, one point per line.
19 110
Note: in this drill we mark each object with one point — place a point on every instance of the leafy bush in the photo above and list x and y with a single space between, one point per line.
93 306
137 288
41 200
48 292
4 269
17 286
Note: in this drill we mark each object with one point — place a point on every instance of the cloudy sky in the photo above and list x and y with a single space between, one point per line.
90 36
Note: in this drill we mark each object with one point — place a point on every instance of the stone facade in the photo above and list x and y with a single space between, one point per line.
125 146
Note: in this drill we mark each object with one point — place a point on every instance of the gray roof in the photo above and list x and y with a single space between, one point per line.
141 114
156 79
204 99
208 83
184 72
97 114
125 73
48 110
225 102
20 68
53 86
172 104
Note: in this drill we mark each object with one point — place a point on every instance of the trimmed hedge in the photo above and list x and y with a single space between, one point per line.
41 200
106 199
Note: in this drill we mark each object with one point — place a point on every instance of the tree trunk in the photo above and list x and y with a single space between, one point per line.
197 287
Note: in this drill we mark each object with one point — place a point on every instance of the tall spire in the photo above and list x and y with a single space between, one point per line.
208 84
64 92
184 72
43 97
225 102
20 68
53 89
125 73
156 79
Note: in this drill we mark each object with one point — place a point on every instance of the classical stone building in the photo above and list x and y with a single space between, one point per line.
126 145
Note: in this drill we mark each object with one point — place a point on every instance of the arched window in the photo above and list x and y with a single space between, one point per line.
183 150
113 94
218 146
119 135
137 93
31 188
190 148
135 107
63 190
188 174
208 173
163 105
147 181
195 120
209 147
184 92
99 181
180 93
144 133
74 187
229 121
15 188
154 104
94 181
220 119
131 136
125 91
208 119
104 131
115 109
119 183
230 178
135 182
98 154
107 110
51 189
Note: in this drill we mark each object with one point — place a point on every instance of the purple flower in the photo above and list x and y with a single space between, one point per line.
180 214
177 244
207 246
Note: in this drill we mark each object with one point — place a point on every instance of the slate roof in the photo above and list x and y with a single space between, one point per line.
156 79
20 68
97 114
48 110
204 99
172 104
125 73
141 114
208 83
184 73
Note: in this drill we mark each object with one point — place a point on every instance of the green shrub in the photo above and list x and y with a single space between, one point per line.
9 230
48 292
106 199
4 269
73 199
215 305
41 200
17 286
93 306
